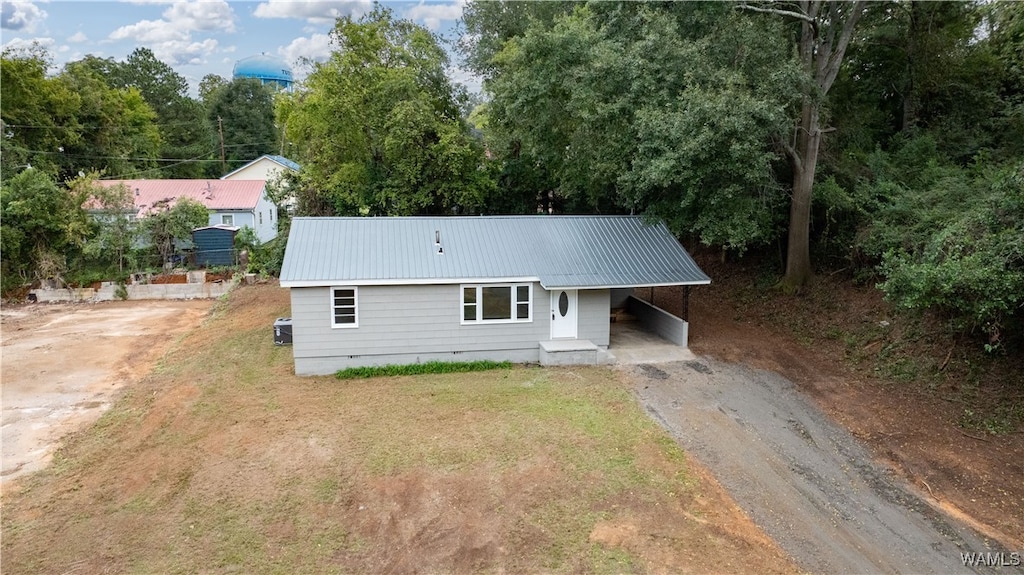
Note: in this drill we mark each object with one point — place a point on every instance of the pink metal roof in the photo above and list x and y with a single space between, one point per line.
214 194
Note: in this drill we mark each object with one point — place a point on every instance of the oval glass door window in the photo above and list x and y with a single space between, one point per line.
563 304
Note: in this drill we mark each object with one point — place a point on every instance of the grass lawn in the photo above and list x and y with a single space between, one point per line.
223 461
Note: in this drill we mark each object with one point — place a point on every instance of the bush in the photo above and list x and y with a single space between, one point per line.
421 368
969 263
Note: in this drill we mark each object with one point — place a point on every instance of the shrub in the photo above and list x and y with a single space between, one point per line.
421 368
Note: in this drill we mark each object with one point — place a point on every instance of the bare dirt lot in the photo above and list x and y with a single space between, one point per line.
223 461
63 364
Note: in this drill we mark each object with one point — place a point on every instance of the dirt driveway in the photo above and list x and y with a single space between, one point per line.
806 481
62 363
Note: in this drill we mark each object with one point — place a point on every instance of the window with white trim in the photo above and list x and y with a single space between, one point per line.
497 303
344 307
227 219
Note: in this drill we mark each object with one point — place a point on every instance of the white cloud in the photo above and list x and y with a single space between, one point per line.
433 14
301 51
171 37
27 43
319 12
185 53
150 31
205 16
20 15
78 37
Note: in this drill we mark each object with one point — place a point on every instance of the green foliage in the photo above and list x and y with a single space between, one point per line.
267 258
76 121
42 225
244 110
167 224
421 368
183 132
635 107
113 212
378 129
957 246
246 239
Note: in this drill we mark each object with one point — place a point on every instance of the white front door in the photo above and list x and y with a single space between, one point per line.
563 314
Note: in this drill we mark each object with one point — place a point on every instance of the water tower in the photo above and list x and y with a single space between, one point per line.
270 71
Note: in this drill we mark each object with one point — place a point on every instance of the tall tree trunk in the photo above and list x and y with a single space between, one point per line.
824 38
798 255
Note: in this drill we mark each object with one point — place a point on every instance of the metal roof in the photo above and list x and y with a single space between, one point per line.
558 251
214 194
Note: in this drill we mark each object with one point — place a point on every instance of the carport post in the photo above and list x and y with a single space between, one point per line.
686 303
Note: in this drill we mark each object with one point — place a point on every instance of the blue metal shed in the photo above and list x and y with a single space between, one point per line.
215 245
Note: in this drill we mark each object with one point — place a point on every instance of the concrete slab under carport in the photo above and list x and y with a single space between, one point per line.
629 343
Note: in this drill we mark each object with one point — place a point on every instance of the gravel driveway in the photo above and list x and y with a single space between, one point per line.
807 482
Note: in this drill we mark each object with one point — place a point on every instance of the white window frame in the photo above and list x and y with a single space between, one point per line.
225 217
334 308
514 289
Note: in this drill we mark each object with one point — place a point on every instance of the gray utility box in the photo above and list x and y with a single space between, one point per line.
283 331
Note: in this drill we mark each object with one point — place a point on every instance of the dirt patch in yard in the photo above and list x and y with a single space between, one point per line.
224 461
829 341
63 364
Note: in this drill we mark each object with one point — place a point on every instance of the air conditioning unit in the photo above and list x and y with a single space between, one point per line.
283 331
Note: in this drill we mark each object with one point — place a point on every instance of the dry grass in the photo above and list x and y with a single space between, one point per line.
223 461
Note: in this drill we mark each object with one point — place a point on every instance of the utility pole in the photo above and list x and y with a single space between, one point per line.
220 130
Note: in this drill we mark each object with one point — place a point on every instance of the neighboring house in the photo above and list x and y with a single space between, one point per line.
377 291
266 168
237 203
262 168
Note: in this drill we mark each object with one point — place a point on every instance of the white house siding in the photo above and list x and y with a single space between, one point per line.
265 230
409 324
263 169
265 218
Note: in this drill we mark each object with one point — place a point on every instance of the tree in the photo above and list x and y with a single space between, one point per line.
113 210
378 128
38 113
244 111
826 30
114 129
42 225
185 135
210 84
169 221
665 109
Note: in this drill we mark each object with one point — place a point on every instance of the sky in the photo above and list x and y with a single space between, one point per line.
200 37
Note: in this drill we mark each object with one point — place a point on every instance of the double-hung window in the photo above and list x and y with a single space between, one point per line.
497 303
344 309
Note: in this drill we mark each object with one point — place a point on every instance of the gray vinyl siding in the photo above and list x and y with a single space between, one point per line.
594 316
409 324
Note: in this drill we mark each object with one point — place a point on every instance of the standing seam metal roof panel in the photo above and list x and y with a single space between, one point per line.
560 251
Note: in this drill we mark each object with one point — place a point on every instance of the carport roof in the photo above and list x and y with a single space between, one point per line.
585 252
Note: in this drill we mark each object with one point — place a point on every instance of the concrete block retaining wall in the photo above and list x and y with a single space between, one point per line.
659 321
141 291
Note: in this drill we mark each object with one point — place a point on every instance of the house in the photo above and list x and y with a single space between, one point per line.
237 203
265 167
378 291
